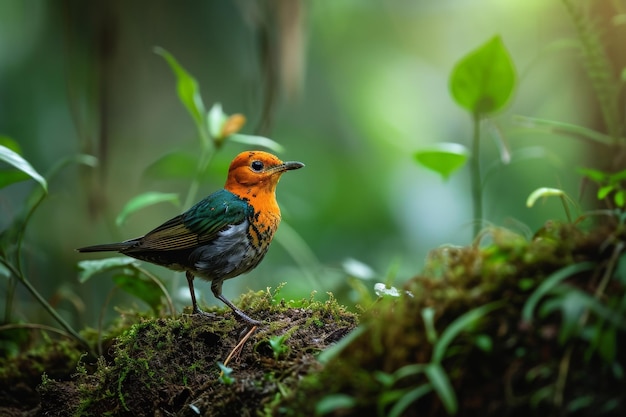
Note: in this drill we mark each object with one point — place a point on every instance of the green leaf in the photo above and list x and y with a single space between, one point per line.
441 384
174 165
14 159
409 398
619 198
548 284
443 158
594 174
334 402
254 140
461 323
92 267
560 128
187 87
144 289
604 191
483 81
11 176
144 200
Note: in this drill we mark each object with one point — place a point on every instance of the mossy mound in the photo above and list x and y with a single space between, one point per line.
169 366
512 327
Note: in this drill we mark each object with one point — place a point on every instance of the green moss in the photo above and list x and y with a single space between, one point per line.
459 344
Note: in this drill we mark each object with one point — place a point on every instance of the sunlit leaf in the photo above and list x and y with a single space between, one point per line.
483 81
619 198
254 140
441 384
443 158
604 191
216 119
174 165
543 192
90 268
15 160
187 87
144 200
144 289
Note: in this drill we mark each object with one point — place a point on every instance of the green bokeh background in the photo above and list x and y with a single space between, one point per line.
360 86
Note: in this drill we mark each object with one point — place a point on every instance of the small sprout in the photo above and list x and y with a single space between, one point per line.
545 192
225 376
277 343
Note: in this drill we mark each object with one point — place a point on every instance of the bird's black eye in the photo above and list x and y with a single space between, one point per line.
257 166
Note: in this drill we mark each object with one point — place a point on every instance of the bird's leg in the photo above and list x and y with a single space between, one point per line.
216 287
196 309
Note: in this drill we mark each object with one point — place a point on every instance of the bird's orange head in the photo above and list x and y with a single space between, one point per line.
254 174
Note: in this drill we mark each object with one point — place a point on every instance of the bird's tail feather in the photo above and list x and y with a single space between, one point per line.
107 247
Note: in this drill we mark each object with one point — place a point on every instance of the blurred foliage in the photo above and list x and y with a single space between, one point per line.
351 88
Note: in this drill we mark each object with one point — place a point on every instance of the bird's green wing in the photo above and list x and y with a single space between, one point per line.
200 224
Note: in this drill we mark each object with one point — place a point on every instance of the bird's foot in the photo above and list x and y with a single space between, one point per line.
204 314
243 316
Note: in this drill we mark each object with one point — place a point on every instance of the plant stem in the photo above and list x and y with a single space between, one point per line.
477 191
44 303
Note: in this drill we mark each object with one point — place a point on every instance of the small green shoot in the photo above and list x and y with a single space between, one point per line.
225 377
545 192
277 343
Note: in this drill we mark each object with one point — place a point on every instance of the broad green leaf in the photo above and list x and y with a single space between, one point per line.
8 142
257 141
443 158
441 384
11 176
548 284
482 82
92 267
144 200
187 87
144 289
460 324
14 159
174 165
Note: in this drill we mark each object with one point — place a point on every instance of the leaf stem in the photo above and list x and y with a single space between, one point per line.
477 191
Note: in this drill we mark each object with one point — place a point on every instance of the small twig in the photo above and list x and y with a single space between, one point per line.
237 349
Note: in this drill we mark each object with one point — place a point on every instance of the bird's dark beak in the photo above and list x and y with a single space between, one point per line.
288 166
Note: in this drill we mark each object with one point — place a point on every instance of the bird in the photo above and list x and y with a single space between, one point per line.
222 236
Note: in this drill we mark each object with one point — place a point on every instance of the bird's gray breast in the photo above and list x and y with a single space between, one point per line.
228 255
